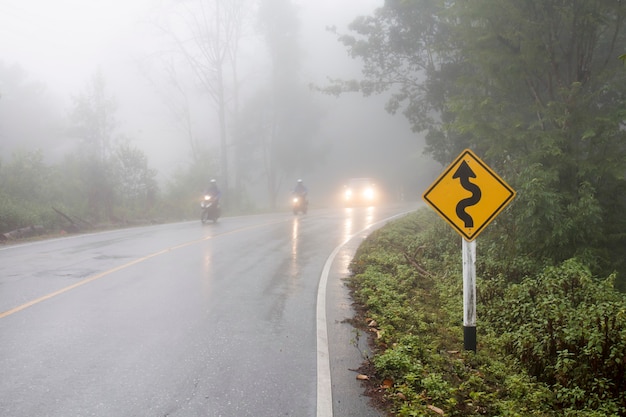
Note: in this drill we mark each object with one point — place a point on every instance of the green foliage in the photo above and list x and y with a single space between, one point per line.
136 186
568 330
121 189
11 216
552 341
102 181
26 176
25 183
535 89
80 187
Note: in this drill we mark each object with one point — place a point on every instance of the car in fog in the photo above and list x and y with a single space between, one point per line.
360 192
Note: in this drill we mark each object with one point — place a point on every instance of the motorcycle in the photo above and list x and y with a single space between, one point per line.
299 203
210 209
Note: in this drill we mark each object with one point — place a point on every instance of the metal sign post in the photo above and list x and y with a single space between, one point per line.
469 195
469 295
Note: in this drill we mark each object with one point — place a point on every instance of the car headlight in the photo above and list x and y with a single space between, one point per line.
295 199
348 193
369 193
207 197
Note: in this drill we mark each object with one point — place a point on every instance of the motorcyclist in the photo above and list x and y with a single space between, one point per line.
211 203
300 189
213 190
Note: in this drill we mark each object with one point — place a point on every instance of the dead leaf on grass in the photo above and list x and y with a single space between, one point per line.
435 409
387 383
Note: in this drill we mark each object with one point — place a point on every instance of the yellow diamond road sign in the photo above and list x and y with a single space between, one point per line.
468 195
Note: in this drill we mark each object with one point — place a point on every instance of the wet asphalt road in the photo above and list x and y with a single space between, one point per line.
184 319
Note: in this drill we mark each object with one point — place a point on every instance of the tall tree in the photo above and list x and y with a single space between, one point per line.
283 116
93 124
93 119
547 96
25 191
535 87
136 185
207 34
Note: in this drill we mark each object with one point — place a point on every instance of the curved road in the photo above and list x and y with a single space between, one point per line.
239 318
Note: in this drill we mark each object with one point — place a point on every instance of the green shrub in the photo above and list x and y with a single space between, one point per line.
11 217
568 330
550 343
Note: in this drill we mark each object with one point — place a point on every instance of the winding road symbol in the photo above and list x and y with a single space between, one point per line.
468 195
464 173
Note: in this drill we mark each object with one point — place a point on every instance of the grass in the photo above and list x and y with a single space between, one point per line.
407 285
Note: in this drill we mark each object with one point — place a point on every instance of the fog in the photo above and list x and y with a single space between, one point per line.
62 44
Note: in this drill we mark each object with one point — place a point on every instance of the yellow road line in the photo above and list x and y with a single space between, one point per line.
119 268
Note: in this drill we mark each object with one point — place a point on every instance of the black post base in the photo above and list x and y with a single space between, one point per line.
469 338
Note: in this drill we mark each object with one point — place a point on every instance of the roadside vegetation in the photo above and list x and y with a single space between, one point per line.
80 168
537 89
86 193
551 338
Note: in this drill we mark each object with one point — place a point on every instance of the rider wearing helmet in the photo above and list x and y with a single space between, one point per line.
300 189
213 190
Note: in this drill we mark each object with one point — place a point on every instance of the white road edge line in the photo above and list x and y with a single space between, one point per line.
324 383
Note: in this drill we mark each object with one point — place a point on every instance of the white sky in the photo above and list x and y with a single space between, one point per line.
63 43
